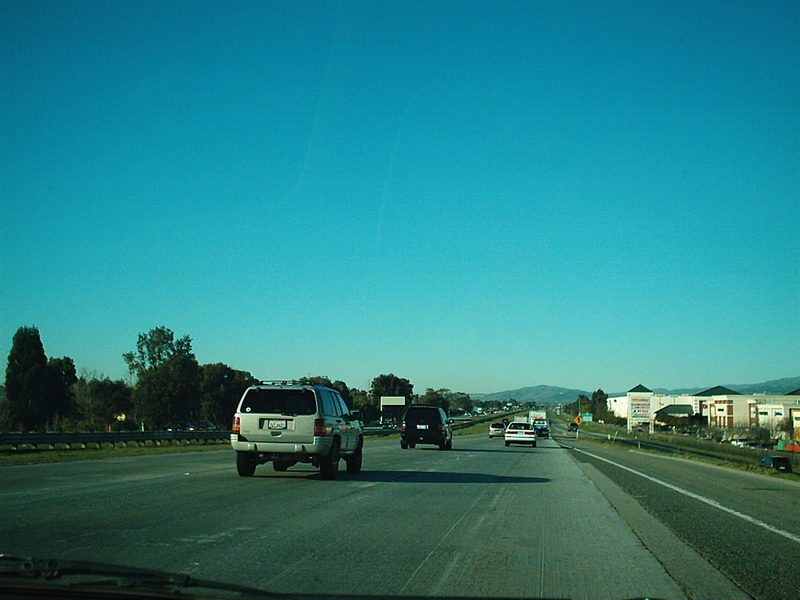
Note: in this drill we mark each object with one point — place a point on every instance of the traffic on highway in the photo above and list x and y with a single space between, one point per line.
333 299
575 519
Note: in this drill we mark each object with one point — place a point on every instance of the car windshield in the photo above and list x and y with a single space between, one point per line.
565 233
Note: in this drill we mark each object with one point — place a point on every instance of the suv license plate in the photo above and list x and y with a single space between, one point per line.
276 424
422 426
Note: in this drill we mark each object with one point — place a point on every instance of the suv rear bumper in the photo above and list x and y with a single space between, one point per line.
320 446
424 438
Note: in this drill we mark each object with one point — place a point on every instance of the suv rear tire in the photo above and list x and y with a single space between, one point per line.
354 462
245 464
330 464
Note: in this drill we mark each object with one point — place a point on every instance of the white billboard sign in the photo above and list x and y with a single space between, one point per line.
638 411
393 401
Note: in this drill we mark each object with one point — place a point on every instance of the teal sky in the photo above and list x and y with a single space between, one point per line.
472 195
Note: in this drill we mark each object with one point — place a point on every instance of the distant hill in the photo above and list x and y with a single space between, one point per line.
548 394
776 386
542 394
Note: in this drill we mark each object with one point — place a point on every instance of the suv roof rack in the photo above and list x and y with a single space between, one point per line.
279 382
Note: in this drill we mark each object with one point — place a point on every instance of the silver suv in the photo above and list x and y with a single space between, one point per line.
287 423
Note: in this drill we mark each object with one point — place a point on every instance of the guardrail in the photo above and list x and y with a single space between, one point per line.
15 441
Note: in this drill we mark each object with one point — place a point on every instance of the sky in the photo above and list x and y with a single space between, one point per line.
477 196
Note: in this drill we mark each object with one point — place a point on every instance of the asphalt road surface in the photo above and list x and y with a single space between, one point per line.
481 520
746 524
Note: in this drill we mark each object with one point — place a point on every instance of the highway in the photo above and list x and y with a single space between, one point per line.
482 520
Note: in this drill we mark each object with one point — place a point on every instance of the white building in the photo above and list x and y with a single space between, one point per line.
621 405
771 415
724 408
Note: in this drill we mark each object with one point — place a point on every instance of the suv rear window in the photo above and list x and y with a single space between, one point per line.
279 401
429 416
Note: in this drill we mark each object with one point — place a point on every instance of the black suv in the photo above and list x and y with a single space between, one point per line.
426 425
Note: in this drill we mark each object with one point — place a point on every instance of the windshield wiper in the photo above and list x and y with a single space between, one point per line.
48 569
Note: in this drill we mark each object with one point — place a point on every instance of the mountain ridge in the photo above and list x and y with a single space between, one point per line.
549 394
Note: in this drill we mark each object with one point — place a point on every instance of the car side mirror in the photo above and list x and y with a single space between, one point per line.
451 421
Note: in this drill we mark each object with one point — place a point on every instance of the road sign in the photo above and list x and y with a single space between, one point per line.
586 417
577 420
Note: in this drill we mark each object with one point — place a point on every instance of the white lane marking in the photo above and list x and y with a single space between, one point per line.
709 501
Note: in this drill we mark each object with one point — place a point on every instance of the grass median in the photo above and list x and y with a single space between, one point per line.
34 456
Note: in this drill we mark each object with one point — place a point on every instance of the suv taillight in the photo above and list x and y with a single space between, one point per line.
236 426
319 427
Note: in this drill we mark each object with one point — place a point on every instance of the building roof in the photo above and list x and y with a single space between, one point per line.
718 391
676 410
640 389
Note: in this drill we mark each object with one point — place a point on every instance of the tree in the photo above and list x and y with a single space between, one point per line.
460 402
27 380
156 347
786 426
488 405
62 375
99 401
168 392
433 397
221 388
599 405
364 402
391 385
339 386
581 405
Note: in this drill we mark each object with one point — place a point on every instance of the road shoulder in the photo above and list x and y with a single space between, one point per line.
698 578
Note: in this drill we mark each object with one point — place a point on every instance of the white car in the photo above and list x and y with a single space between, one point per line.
520 433
497 430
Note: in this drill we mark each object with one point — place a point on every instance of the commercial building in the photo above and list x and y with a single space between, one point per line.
723 408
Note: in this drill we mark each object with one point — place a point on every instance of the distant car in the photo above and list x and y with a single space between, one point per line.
520 433
203 426
779 463
181 426
496 430
572 427
541 428
387 425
